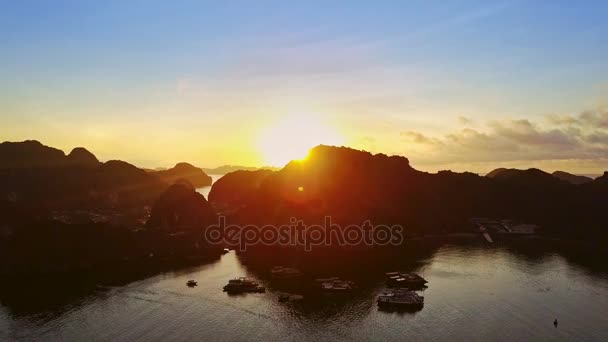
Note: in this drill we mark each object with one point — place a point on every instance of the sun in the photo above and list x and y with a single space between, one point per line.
293 136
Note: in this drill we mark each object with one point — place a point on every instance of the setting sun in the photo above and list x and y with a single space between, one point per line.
293 136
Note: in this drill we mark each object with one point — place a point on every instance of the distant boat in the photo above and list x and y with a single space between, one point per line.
405 280
243 285
192 283
323 280
400 298
285 297
281 272
335 285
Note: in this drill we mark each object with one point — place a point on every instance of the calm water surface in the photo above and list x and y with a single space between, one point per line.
205 190
474 294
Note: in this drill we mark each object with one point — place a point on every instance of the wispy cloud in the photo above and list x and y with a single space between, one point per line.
463 120
577 137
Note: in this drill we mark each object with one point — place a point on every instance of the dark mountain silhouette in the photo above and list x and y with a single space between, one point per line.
504 174
496 172
30 153
532 177
236 188
113 184
173 236
193 174
81 156
45 177
353 186
348 185
36 175
570 178
181 208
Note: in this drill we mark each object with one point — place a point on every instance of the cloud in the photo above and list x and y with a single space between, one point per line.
591 118
600 138
420 138
463 120
595 118
526 133
579 137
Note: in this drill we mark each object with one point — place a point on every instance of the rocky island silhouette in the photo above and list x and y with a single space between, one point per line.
61 213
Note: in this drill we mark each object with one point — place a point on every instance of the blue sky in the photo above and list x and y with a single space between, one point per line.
184 73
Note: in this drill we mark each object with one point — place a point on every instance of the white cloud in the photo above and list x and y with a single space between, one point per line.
580 137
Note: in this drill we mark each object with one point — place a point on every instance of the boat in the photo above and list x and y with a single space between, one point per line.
335 285
281 272
323 280
285 297
400 298
243 285
405 280
192 283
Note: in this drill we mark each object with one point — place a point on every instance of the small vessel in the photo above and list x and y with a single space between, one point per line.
400 298
286 297
192 283
405 280
324 280
281 272
243 285
335 285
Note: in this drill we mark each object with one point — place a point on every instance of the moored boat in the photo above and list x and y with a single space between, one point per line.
405 280
335 285
283 297
281 272
286 297
400 298
243 285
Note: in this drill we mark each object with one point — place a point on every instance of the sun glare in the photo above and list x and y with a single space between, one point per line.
293 136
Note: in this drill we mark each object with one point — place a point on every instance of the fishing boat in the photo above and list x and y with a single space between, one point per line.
405 280
286 297
400 298
281 272
243 285
335 285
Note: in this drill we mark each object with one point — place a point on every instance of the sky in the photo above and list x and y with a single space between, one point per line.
461 85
